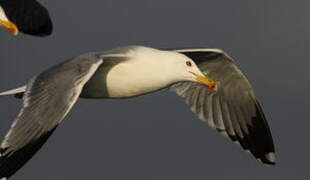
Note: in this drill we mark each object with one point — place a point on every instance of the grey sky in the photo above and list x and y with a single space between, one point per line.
156 136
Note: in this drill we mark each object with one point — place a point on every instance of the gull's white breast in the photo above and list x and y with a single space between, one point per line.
131 78
146 70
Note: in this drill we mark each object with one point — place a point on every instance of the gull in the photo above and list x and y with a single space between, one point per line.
27 16
208 79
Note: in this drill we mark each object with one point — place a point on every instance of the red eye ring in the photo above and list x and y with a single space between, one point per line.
188 63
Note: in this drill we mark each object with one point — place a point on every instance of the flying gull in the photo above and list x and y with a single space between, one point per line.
27 16
208 79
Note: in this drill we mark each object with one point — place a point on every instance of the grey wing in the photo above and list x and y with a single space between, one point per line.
232 108
47 100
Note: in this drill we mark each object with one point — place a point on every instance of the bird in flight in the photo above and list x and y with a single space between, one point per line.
26 16
207 79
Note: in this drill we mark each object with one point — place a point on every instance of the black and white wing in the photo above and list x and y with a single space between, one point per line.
232 108
47 100
29 16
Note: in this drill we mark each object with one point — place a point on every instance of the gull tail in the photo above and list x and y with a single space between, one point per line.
17 92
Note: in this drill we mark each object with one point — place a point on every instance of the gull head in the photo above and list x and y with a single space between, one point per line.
185 69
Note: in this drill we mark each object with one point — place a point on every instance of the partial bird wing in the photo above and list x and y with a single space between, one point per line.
232 108
47 100
29 16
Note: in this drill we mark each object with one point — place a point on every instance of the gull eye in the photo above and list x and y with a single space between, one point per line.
188 63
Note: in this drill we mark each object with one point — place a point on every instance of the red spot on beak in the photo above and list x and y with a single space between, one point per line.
13 30
210 83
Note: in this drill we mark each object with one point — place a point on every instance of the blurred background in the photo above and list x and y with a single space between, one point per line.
156 136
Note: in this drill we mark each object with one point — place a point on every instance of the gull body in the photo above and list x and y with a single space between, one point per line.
208 79
136 70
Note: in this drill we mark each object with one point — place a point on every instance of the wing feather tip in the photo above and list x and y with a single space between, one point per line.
268 159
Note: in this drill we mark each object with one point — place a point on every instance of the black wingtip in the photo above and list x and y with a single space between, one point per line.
269 158
36 24
10 162
44 30
30 17
257 138
262 146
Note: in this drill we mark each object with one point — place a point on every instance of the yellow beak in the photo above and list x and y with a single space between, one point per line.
210 83
10 26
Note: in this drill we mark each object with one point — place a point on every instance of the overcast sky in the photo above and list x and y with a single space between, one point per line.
157 137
